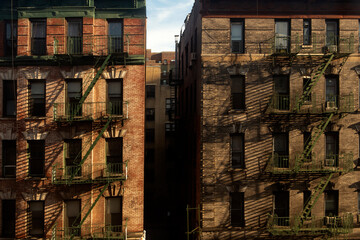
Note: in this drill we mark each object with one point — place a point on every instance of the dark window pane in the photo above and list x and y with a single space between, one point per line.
114 213
150 135
237 37
38 36
36 158
237 150
282 36
36 217
74 43
74 94
331 203
237 209
115 41
307 32
9 158
72 217
9 96
115 97
238 92
307 196
11 39
37 98
150 91
150 114
8 218
281 150
73 156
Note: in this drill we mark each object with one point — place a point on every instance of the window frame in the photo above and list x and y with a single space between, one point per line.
109 218
115 107
238 96
240 151
327 212
38 44
5 148
70 162
41 219
9 97
115 42
241 42
10 44
74 44
307 31
36 111
239 199
281 158
32 159
115 162
70 222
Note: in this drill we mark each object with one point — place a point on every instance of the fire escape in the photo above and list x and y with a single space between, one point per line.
101 115
306 164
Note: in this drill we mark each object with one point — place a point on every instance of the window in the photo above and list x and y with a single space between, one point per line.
150 165
332 91
281 100
238 92
36 150
237 209
9 98
150 91
331 203
281 208
114 155
307 32
150 114
169 105
38 36
8 218
306 87
9 158
306 140
169 128
74 39
72 157
237 151
36 218
281 150
307 196
282 36
332 149
113 216
72 217
11 39
115 96
150 135
332 32
74 94
237 36
37 98
115 36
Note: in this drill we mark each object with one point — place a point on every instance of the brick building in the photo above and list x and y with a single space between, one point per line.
269 103
72 119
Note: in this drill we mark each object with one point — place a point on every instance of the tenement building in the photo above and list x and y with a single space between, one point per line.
72 83
269 106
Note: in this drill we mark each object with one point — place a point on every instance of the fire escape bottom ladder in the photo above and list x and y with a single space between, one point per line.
78 168
91 85
311 144
89 211
313 81
312 201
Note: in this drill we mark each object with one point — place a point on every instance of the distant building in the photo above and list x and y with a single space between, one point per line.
72 124
268 107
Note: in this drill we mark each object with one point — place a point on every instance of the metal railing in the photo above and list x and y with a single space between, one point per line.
89 173
90 110
89 45
320 43
332 163
313 225
92 231
314 104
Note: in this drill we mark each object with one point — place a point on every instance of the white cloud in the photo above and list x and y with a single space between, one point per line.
165 18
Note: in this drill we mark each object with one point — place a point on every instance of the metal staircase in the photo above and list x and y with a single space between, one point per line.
313 81
319 189
311 142
90 86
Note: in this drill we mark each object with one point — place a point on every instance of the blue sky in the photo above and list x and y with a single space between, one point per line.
165 18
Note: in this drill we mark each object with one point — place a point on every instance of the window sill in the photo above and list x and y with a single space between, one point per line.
35 178
306 46
237 169
7 178
8 118
35 118
237 111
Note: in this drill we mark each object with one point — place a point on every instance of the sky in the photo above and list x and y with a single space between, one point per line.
165 18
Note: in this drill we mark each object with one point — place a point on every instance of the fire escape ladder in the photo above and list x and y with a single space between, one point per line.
90 87
319 189
78 167
313 81
311 143
76 228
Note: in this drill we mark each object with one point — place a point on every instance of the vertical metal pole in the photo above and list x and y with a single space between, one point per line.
187 222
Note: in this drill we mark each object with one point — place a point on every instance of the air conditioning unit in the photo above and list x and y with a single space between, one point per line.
193 56
331 105
332 48
330 162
